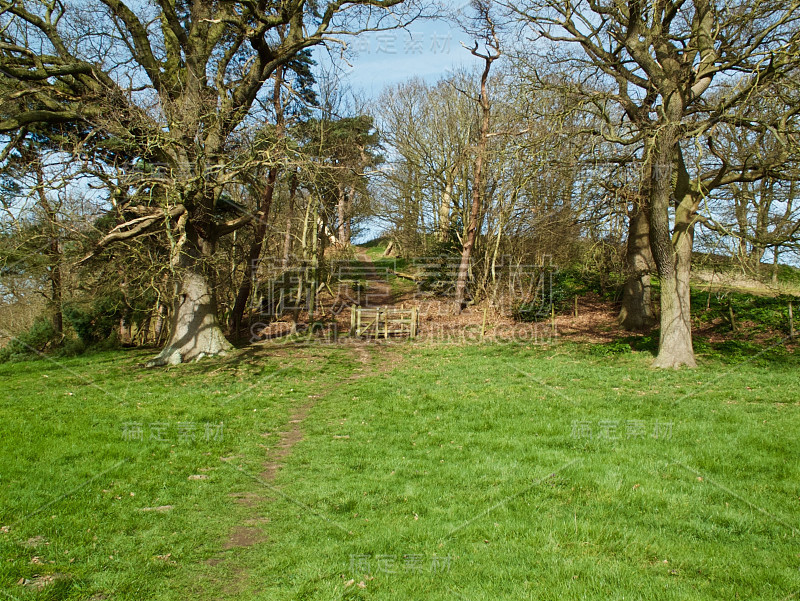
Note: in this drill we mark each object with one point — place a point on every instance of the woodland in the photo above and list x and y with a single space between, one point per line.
164 163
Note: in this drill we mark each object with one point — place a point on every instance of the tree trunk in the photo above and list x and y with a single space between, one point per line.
757 252
287 237
472 230
348 229
259 235
637 307
675 345
53 251
672 253
758 248
477 184
318 244
195 331
343 229
261 217
160 312
56 286
125 331
143 332
287 242
159 325
775 264
444 208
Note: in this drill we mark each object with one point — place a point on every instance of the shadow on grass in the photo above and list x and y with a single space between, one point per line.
728 351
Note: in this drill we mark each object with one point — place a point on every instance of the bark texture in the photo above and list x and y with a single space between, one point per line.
675 343
672 253
195 331
636 312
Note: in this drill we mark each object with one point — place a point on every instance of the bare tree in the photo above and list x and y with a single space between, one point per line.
265 193
167 83
491 44
676 68
757 214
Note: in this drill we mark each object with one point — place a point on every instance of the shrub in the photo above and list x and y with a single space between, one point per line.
95 323
36 339
72 347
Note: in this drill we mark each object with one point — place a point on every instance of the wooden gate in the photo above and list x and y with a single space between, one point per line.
383 322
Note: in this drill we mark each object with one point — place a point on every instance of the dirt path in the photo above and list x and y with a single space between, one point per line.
378 292
286 440
251 531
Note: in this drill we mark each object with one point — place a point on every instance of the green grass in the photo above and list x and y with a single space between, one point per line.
752 314
789 275
469 464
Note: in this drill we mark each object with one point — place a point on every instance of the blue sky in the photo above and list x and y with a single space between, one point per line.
427 49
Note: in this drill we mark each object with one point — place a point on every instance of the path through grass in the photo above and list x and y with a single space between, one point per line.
423 472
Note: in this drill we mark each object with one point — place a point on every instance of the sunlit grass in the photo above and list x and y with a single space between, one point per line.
424 472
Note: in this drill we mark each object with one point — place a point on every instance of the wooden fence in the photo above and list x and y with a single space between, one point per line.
383 322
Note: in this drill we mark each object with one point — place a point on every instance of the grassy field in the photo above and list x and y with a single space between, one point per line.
407 471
